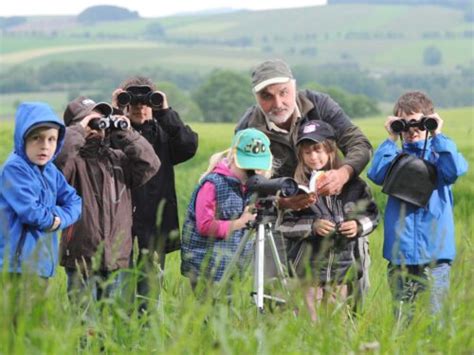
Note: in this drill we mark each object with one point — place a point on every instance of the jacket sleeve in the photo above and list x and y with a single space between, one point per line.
184 141
451 163
368 218
297 225
68 203
207 223
350 140
21 195
73 142
383 157
140 161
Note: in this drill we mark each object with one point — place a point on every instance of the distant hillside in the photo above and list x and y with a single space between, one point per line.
374 50
381 38
461 4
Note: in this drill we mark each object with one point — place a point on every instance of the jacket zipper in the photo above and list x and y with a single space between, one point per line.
47 249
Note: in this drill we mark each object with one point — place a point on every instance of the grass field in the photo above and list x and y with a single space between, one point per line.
46 323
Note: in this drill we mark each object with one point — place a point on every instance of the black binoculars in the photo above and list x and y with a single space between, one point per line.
403 125
141 94
109 122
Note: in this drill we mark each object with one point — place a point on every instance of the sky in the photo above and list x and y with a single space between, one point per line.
157 8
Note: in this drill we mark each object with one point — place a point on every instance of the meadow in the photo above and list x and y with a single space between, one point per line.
37 322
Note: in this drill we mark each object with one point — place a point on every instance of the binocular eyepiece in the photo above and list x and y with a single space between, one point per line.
403 125
109 122
266 187
141 94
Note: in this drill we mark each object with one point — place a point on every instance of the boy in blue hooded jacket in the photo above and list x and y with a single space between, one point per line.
35 199
419 241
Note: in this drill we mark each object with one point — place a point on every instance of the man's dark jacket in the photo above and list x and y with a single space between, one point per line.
313 106
174 142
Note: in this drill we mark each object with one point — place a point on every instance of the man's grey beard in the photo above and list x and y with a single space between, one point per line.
278 120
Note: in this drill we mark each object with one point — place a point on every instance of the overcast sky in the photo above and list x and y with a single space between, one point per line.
155 8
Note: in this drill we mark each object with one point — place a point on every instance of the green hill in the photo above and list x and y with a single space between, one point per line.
381 38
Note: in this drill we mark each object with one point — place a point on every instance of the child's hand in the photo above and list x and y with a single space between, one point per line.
56 224
115 95
440 124
323 227
86 120
124 118
348 228
242 221
392 135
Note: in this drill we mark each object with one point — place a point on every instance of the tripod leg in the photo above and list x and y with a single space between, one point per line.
235 259
276 257
259 262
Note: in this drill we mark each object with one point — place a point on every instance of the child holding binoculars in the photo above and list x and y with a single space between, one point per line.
418 234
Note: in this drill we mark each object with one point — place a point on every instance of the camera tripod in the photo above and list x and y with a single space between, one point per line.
262 229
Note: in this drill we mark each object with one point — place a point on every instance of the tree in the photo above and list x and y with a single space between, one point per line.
432 56
353 105
154 31
106 13
181 102
224 96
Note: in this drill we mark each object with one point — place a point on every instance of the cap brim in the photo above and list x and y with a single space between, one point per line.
253 163
312 139
265 83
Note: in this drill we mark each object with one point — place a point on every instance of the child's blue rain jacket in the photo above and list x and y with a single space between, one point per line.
414 235
30 197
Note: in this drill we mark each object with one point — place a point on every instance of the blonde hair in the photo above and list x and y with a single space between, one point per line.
215 159
229 155
329 146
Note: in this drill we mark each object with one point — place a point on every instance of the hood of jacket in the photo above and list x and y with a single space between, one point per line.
222 168
29 114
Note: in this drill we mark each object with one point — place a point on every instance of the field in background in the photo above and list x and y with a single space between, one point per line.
379 38
182 324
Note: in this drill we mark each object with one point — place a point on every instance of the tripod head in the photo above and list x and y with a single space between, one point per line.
264 195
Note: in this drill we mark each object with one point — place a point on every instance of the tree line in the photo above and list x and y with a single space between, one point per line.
223 95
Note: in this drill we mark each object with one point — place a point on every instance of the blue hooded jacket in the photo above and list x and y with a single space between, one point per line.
415 235
30 197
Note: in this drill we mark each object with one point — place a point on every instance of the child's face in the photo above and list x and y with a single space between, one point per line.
414 134
315 156
41 145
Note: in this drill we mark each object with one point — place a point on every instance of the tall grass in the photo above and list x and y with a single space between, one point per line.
39 319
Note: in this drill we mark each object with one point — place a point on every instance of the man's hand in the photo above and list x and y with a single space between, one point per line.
333 181
298 202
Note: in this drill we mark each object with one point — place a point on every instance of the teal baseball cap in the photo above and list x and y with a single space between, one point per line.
251 149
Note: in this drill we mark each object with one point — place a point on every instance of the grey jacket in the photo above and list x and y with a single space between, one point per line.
350 140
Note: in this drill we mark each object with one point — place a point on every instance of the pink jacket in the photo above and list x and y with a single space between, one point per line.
206 221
